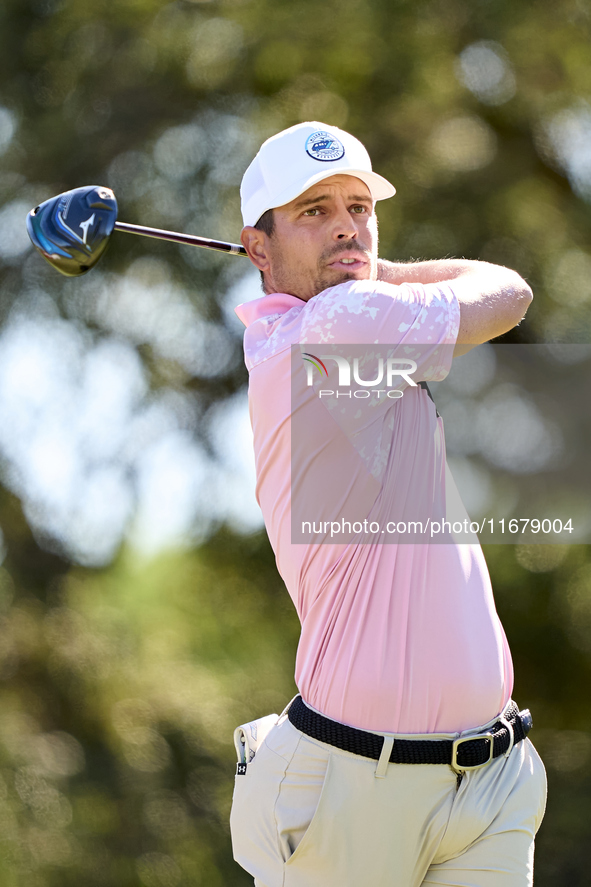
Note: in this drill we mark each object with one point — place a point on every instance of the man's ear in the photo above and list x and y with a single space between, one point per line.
256 244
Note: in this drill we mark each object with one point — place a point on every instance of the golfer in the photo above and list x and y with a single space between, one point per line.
404 760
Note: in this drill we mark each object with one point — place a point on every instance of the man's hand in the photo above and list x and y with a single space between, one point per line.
493 299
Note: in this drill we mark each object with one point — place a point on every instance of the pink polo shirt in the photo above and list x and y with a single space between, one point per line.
400 638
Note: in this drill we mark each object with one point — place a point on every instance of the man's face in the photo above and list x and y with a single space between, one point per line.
325 236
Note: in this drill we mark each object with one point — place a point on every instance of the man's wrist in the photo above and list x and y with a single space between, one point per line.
405 272
389 271
410 272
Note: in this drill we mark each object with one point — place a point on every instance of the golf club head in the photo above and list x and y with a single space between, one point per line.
72 230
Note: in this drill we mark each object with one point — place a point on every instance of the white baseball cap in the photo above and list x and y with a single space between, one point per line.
295 159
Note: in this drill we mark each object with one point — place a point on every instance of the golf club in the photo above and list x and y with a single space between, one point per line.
92 211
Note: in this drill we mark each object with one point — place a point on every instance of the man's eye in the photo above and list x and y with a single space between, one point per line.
312 212
358 209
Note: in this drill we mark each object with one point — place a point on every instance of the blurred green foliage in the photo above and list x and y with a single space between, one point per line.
121 685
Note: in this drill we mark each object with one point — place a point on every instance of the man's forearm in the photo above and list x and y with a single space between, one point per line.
426 272
492 299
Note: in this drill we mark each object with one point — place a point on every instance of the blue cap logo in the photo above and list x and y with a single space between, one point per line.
324 146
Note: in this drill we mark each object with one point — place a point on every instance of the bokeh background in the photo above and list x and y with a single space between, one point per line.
141 613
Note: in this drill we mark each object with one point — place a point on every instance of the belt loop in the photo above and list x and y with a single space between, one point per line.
384 759
509 727
288 706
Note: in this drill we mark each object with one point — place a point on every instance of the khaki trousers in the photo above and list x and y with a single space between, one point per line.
306 814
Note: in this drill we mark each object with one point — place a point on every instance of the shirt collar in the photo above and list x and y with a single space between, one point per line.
275 303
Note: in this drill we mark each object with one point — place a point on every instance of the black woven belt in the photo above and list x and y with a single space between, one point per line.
466 753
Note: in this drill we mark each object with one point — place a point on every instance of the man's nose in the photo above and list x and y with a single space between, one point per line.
345 227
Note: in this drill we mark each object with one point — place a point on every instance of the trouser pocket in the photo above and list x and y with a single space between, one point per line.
298 805
253 828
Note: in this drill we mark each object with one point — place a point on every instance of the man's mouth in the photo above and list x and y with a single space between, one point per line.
351 263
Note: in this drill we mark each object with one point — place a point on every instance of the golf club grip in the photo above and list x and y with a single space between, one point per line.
233 249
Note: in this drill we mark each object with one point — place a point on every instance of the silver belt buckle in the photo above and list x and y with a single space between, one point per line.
456 744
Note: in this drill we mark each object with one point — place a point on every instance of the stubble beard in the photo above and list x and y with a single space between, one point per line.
288 282
326 279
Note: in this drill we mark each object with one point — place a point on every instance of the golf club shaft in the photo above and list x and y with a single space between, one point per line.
191 239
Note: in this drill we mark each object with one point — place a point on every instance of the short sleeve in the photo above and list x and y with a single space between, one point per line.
363 312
